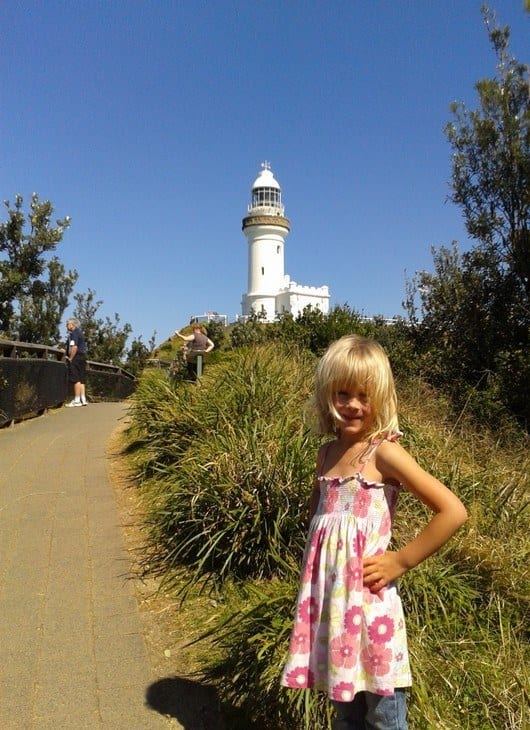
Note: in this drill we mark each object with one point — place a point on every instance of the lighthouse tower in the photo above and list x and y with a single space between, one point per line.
270 290
266 229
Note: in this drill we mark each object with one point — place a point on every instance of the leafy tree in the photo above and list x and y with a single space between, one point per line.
137 356
253 331
139 353
314 330
463 309
106 339
41 311
474 310
310 329
324 329
491 161
33 290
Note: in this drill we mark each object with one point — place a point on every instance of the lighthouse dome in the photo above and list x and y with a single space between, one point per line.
266 194
265 179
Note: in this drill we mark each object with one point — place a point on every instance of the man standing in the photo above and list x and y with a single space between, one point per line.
76 358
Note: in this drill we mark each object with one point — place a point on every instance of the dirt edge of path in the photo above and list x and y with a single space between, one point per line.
168 625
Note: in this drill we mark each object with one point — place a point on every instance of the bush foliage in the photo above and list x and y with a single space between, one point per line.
471 318
231 466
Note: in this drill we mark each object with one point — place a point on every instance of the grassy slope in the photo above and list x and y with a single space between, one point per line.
467 607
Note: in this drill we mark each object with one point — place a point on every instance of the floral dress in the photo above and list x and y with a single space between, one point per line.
346 639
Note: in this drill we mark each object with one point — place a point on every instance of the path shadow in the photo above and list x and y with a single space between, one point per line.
194 705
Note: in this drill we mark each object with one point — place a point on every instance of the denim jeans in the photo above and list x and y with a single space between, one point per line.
368 711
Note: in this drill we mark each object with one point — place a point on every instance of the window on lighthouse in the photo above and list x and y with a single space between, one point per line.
266 197
263 271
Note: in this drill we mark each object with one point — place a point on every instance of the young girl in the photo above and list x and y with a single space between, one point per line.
349 634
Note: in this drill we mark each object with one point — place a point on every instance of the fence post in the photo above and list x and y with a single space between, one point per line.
199 365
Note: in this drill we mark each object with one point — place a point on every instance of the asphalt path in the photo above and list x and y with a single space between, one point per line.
72 652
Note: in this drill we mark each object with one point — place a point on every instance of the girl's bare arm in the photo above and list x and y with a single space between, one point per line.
396 464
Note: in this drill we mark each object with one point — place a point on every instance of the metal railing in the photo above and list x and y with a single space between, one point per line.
34 378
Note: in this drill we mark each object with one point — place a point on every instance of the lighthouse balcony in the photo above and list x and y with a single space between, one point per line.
266 209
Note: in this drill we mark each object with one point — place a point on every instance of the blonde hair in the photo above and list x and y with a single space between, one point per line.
350 363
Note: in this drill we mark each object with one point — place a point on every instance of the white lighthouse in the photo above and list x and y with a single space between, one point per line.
270 290
266 229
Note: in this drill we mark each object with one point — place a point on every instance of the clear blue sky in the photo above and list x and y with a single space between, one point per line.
146 122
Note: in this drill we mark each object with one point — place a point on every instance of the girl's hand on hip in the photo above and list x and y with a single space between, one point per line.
380 570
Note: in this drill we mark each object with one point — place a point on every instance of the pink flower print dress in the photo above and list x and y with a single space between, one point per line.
346 639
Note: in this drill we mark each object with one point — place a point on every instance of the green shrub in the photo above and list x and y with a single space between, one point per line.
164 421
230 467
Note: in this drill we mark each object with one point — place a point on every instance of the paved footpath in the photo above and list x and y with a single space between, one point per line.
72 653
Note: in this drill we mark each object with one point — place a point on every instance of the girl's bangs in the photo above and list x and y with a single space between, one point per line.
349 376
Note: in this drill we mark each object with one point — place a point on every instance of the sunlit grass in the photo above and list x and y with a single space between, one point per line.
225 468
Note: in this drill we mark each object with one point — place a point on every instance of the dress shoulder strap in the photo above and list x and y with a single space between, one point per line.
370 451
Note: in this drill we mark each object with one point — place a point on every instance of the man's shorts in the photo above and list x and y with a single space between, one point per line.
77 369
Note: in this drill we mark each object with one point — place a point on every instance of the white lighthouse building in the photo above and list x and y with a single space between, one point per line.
270 290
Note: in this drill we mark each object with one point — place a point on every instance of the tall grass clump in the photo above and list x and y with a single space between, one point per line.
468 607
163 423
229 462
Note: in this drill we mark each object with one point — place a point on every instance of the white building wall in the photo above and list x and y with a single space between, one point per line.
295 299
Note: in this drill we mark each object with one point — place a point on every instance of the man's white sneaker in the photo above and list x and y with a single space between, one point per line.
73 404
